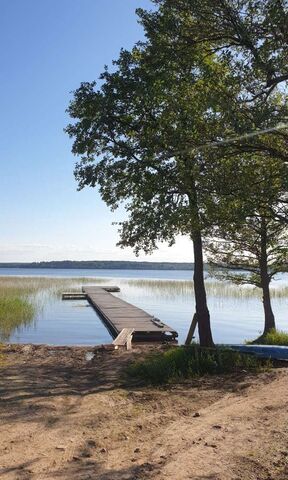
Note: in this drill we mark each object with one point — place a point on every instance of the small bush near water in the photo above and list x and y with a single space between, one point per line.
274 337
186 362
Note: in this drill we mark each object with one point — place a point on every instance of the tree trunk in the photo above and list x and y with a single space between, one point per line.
268 312
202 316
265 282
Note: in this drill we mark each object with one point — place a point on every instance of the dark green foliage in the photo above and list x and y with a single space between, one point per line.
250 34
100 264
251 37
186 362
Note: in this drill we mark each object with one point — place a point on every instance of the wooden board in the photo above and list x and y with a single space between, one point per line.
107 288
124 338
73 296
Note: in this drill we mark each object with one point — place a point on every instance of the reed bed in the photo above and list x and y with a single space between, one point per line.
21 298
174 288
30 285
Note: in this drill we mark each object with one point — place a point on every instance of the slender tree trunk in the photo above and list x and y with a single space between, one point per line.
265 282
201 316
268 312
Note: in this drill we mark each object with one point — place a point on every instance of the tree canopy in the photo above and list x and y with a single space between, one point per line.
250 34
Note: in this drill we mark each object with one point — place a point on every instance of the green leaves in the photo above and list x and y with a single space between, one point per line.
251 35
140 136
166 132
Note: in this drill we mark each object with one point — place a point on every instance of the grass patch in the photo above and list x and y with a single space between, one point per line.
180 363
274 337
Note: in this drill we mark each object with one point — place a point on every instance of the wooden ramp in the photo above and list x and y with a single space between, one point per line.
119 315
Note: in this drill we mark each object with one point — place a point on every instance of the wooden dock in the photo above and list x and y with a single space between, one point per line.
119 315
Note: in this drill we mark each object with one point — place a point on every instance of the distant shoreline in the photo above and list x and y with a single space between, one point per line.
101 265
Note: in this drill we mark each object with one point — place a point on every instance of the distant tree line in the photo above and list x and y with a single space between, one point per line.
102 264
189 131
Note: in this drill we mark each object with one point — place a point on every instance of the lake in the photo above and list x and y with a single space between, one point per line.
236 313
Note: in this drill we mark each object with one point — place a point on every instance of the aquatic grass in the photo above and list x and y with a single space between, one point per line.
222 289
21 298
274 337
180 363
32 284
13 312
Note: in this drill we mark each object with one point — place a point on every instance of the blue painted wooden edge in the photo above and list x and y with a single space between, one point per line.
264 351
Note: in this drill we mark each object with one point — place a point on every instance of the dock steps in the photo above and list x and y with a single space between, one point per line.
124 338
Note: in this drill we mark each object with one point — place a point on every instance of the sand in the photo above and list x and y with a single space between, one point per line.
63 417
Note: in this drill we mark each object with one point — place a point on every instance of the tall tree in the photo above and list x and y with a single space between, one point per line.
140 138
253 249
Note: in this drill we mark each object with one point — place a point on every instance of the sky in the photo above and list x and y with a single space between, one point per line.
47 48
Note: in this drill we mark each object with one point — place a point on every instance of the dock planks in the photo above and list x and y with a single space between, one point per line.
118 314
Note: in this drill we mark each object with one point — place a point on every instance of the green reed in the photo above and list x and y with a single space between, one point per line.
174 288
21 298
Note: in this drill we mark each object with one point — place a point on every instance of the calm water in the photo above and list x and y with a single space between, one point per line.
76 323
90 273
